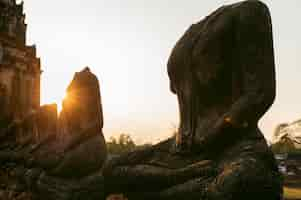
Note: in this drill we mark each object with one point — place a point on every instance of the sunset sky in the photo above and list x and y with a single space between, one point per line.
126 43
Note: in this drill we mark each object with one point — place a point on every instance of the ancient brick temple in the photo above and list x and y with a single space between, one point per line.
20 69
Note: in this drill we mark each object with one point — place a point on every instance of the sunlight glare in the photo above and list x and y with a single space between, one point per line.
60 103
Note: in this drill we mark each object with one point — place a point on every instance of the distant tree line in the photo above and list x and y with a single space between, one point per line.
122 144
285 143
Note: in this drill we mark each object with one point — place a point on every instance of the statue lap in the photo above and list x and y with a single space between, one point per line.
241 170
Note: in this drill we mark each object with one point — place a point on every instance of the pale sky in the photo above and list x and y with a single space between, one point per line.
126 43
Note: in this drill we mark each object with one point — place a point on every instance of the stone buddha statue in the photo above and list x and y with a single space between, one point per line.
222 71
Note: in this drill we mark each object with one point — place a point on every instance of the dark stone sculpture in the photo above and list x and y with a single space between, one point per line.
82 106
80 124
78 148
222 71
63 157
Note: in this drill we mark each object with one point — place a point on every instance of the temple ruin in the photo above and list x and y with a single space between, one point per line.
20 68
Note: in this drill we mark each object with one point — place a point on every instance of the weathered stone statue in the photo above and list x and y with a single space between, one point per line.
64 157
81 123
222 71
78 148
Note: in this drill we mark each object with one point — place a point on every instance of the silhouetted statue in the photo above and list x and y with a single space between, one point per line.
64 156
75 172
222 71
80 127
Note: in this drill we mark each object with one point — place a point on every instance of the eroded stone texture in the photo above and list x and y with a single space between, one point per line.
20 71
222 71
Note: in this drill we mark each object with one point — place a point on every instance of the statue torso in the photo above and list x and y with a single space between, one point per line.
205 72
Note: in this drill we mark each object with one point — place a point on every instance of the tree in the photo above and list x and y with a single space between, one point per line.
278 130
286 144
124 143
